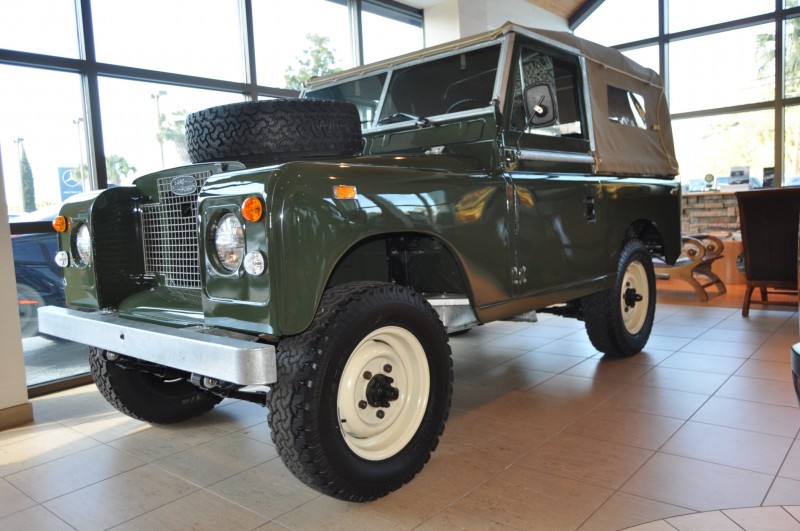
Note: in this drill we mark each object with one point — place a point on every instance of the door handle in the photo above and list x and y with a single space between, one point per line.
591 213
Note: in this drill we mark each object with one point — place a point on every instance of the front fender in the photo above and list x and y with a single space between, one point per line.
308 229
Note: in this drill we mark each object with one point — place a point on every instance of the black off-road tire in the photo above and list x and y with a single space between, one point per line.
273 130
617 323
314 441
146 397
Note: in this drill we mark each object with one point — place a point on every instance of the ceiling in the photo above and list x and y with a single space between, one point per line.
568 9
563 8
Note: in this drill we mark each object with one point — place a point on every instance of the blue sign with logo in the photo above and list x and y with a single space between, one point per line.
69 180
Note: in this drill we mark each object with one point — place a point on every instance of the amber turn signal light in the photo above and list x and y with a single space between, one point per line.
344 191
252 209
60 223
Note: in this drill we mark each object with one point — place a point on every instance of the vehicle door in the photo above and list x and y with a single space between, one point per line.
558 203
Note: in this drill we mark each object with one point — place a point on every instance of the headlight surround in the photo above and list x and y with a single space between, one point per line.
229 242
83 244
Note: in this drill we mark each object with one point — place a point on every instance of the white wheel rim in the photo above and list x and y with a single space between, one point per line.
395 353
633 308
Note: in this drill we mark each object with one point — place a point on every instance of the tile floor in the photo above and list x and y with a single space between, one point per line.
699 431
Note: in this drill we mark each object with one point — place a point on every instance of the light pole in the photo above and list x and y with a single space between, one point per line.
156 97
78 121
18 142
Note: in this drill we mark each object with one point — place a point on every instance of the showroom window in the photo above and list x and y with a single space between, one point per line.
732 73
95 93
791 148
715 144
722 69
299 39
646 56
199 38
690 14
39 26
616 21
143 125
379 20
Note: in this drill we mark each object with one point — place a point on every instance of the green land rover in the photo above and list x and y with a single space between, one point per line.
324 247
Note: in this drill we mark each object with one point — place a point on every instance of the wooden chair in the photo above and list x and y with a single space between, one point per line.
699 252
769 221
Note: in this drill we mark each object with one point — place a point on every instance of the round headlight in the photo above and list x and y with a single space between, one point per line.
83 244
229 242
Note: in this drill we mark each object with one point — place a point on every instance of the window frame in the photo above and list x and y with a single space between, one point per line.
538 147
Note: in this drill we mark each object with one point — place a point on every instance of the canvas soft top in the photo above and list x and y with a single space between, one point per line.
617 149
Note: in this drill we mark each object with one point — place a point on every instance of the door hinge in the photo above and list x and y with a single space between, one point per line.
510 158
519 275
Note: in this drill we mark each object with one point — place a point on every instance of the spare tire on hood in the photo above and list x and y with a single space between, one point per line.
273 130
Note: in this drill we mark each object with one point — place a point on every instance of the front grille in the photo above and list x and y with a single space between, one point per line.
170 235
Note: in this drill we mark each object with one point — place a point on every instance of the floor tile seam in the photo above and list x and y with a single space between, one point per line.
196 489
713 462
41 506
232 502
41 502
766 380
714 353
771 486
703 371
53 459
268 443
25 438
748 430
208 487
721 356
33 500
734 522
204 487
783 463
618 491
451 506
784 507
116 525
662 451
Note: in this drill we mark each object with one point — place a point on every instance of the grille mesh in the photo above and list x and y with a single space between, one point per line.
170 235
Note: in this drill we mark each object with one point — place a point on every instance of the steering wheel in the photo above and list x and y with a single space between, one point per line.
472 103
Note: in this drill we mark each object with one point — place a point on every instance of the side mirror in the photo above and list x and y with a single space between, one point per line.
540 105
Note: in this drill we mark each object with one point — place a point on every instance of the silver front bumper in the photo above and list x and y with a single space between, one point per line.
197 351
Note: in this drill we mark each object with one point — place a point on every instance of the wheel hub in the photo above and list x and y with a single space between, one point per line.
632 297
380 391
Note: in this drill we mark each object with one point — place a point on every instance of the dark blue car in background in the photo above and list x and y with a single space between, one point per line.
38 277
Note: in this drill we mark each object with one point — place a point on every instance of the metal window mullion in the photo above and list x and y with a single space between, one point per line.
356 35
780 85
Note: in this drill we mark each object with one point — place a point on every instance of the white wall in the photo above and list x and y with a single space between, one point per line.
454 19
14 406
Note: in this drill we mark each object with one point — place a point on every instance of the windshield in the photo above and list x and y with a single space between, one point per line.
458 82
364 93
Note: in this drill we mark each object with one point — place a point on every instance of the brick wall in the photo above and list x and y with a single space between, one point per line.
709 212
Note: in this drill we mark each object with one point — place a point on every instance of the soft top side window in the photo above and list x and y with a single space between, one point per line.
535 67
626 108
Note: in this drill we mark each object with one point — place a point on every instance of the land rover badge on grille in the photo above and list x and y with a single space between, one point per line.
183 185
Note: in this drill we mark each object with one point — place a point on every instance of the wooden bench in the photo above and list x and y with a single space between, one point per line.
699 252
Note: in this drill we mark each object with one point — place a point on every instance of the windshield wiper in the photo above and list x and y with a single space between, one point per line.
398 117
